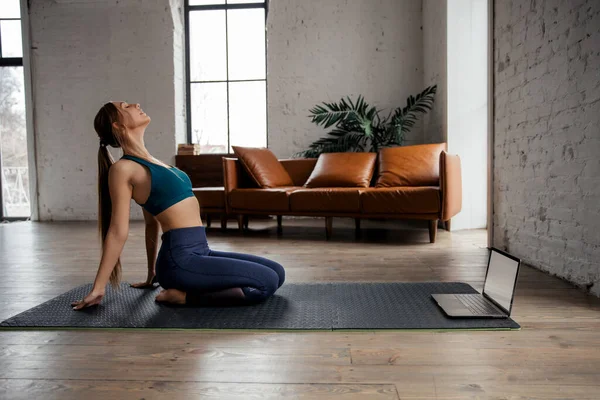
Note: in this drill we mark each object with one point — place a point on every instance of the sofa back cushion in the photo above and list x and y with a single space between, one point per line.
262 165
417 165
299 169
342 170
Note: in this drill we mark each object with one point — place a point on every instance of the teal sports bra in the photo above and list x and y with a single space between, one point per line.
167 186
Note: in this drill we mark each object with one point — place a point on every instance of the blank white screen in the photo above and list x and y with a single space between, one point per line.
501 277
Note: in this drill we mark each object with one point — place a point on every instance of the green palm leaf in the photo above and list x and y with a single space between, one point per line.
405 118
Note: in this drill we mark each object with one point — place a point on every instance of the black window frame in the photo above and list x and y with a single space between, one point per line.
10 61
188 82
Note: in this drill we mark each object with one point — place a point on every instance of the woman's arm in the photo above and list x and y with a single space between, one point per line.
152 233
120 193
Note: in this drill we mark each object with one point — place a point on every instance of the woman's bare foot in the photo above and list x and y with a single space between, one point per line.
172 296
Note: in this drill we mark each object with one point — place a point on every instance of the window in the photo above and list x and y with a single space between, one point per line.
226 72
14 174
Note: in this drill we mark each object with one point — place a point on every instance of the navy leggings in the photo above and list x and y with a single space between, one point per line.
185 262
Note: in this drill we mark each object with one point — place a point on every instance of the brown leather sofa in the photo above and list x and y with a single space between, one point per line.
409 182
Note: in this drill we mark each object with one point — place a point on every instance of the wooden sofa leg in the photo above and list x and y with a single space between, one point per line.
279 224
208 220
357 226
432 230
328 226
240 220
246 219
447 225
224 221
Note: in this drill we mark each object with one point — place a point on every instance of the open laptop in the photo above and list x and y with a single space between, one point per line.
498 291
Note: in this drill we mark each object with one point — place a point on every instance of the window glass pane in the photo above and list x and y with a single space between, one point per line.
246 35
205 2
10 9
209 116
13 143
12 44
244 1
248 114
207 46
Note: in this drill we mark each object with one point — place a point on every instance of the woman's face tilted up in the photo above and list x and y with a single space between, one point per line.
133 116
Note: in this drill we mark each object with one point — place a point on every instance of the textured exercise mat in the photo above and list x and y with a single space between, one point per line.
304 306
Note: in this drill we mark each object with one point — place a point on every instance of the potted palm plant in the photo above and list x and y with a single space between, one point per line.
358 127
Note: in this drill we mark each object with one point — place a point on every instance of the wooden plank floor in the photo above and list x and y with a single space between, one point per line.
556 355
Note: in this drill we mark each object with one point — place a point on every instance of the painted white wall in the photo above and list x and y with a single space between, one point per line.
83 55
467 55
324 50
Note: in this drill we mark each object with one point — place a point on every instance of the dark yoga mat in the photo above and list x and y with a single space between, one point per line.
303 306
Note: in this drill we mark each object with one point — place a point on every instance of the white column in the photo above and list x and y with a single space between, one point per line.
467 101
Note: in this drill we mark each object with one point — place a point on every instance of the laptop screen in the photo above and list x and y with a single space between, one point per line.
500 280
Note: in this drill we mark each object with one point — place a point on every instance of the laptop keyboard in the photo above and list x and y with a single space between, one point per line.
477 304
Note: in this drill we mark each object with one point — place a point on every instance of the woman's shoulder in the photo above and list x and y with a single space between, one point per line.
123 163
123 166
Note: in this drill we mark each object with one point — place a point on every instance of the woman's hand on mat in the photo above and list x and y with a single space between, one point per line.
93 298
148 283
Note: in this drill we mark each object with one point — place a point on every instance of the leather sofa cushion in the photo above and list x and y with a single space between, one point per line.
325 199
417 165
262 165
210 197
342 170
400 200
299 169
272 199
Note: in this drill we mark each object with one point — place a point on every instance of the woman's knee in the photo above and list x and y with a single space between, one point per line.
281 274
279 270
271 284
268 286
274 266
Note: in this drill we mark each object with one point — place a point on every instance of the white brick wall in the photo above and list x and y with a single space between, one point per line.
85 53
323 50
547 135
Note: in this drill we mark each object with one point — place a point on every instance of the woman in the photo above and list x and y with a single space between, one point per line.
187 269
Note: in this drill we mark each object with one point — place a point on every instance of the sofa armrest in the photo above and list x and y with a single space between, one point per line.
230 174
450 185
230 178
